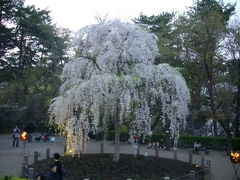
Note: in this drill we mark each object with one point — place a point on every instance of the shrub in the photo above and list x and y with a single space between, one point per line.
123 135
185 140
211 142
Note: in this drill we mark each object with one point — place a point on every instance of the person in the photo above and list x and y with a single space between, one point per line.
161 145
136 139
39 177
196 146
150 145
52 174
57 161
29 137
16 136
38 138
46 138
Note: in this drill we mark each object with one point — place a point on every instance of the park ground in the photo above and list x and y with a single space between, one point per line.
11 158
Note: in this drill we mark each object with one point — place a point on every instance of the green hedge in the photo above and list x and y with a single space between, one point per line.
211 142
110 136
124 136
157 137
187 141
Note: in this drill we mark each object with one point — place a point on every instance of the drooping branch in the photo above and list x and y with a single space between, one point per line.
94 60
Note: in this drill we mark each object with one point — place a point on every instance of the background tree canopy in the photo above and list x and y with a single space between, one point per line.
32 53
197 43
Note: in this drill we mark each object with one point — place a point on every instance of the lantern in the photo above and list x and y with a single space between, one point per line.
235 157
24 136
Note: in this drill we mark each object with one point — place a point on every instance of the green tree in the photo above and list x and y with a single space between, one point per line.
206 26
163 25
232 47
31 60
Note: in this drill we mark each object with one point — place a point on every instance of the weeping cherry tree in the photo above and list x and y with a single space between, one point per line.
114 73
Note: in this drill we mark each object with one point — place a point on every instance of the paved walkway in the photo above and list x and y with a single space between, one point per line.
11 158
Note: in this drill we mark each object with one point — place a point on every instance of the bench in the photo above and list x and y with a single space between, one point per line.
203 149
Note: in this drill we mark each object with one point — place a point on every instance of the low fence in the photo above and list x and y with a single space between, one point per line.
202 174
29 172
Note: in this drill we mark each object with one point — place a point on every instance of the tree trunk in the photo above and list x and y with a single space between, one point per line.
21 46
117 132
117 142
228 131
208 66
229 143
237 116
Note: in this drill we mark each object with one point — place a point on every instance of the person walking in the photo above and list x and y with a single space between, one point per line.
16 136
59 165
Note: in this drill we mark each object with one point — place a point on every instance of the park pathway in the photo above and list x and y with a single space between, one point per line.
11 158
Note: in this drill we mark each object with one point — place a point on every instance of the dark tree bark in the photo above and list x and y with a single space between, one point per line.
237 117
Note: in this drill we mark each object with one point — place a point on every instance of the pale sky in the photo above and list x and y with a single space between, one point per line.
75 14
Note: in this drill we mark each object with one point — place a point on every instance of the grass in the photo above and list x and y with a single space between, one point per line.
101 167
12 178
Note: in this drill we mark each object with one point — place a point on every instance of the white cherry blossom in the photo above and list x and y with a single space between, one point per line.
115 61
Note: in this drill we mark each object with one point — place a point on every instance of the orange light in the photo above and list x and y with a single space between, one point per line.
24 136
235 157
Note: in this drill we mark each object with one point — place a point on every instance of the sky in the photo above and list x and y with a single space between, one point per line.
75 14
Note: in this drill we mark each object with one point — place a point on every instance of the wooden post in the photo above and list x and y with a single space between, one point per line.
138 150
208 169
203 160
47 153
30 174
192 175
190 156
25 159
175 153
135 150
156 152
24 167
35 156
101 148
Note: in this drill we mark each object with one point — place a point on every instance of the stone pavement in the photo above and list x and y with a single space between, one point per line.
11 158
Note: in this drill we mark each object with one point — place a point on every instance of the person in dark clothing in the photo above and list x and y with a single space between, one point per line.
52 174
39 177
16 136
56 157
196 147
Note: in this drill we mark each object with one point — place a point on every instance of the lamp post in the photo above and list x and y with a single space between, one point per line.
235 159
